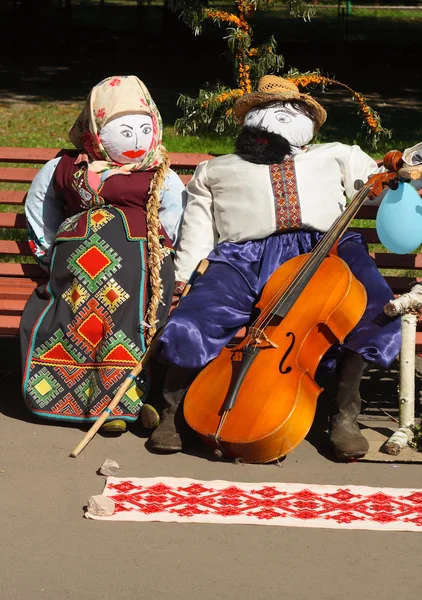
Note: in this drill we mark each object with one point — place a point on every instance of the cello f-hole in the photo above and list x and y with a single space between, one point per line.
286 354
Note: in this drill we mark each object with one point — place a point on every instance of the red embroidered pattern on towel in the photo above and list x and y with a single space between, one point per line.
306 505
286 197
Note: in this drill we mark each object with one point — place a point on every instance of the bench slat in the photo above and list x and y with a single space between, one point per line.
27 174
385 260
401 285
369 235
14 220
185 178
12 197
26 281
12 247
9 325
21 270
181 160
17 174
367 212
27 155
17 281
13 294
184 160
8 307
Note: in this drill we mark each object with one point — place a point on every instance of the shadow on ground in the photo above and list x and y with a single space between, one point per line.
379 388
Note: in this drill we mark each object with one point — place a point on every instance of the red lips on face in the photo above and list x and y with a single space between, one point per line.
134 153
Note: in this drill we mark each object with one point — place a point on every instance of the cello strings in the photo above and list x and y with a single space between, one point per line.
322 247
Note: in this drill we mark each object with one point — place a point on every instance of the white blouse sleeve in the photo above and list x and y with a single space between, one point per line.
357 167
198 233
43 209
173 203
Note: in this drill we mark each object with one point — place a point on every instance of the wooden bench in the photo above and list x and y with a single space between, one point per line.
18 279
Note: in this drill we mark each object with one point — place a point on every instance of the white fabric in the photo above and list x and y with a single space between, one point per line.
283 119
184 500
231 200
44 210
127 139
413 156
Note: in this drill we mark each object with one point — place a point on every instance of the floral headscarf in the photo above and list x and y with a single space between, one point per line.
114 97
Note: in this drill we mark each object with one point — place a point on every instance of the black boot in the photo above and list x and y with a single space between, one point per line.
168 436
345 435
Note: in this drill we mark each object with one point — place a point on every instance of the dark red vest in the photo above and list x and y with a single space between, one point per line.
128 193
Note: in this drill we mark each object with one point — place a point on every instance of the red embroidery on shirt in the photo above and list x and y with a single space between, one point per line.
286 197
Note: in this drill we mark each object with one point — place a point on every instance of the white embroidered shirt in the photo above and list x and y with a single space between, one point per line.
232 200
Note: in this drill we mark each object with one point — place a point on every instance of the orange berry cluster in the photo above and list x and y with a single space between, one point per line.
222 15
367 112
244 79
223 97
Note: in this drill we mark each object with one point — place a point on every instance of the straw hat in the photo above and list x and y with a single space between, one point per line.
277 89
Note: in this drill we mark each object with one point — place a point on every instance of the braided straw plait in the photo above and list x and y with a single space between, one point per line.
156 252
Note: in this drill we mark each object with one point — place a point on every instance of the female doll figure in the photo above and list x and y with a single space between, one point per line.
94 225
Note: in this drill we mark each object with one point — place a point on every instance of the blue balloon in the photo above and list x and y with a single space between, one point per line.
399 219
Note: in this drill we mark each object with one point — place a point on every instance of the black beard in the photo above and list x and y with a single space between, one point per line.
261 147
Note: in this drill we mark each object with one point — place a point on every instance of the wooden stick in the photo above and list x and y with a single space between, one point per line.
201 268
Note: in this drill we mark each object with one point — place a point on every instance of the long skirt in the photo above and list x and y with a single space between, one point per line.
84 331
222 300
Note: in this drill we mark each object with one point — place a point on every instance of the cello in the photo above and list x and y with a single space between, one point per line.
257 401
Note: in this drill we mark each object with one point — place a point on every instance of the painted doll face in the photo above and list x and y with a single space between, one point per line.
126 139
282 119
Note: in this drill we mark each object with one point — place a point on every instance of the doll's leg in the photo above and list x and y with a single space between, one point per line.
376 339
345 435
218 305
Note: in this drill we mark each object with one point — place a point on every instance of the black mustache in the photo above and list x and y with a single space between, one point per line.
262 147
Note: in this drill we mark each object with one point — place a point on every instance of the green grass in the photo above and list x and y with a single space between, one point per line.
45 125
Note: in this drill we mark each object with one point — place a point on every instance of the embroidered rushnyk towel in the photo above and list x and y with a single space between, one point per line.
171 499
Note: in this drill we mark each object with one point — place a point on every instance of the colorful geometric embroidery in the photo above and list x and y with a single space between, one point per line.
91 325
71 375
112 295
76 372
111 375
286 197
44 387
57 351
88 391
75 295
101 405
134 397
99 218
71 224
119 351
67 406
93 262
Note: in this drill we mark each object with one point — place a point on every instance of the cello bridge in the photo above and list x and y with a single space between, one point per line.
259 335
